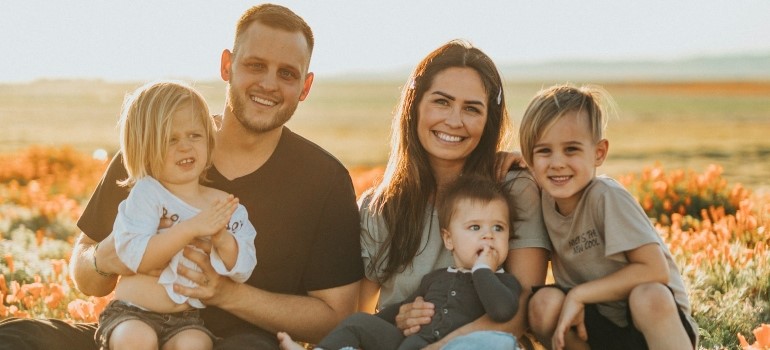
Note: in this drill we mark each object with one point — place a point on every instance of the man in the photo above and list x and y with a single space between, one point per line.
299 198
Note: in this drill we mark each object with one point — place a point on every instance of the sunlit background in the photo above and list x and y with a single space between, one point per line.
692 78
141 40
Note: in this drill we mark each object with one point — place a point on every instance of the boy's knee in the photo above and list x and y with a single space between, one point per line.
544 308
651 301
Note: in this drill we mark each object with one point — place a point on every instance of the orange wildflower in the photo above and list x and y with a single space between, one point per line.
14 310
55 296
762 339
57 266
647 203
660 188
101 303
3 286
9 261
3 308
667 205
81 310
15 293
33 289
364 178
39 236
28 301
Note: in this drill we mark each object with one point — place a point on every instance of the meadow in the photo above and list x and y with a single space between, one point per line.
693 154
683 125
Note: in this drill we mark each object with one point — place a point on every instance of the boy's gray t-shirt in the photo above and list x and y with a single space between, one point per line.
590 243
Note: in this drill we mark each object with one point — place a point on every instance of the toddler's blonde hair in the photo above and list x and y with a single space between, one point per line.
145 126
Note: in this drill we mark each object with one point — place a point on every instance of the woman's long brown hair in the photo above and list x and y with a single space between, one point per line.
401 198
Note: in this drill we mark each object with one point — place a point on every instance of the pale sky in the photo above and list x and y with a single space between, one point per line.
147 39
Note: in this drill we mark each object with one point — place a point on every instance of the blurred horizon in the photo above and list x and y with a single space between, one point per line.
724 68
137 41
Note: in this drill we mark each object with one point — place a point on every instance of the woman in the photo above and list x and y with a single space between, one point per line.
451 121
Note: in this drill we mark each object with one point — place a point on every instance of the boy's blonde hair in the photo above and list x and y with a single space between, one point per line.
145 126
552 103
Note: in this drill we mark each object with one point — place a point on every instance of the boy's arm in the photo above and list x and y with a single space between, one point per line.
647 264
500 300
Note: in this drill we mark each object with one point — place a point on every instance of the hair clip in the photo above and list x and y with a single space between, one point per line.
499 95
411 84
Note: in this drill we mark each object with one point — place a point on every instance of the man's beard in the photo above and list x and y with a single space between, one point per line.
237 105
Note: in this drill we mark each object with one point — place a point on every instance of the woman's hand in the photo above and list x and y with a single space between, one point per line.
413 316
506 161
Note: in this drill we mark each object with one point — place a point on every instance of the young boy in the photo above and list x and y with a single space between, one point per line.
475 219
617 284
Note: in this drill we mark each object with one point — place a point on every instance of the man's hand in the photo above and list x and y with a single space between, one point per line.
210 283
413 316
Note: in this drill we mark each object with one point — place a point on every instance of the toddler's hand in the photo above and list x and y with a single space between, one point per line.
219 238
489 256
214 219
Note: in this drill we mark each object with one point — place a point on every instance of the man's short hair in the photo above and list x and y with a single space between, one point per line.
273 16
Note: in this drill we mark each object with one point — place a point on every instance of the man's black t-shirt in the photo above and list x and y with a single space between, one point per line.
301 202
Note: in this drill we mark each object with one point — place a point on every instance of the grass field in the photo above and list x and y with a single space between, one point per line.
680 124
715 229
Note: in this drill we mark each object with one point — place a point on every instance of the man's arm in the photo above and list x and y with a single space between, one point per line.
97 220
322 310
85 259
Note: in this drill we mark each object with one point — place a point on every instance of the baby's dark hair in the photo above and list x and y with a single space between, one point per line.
478 190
